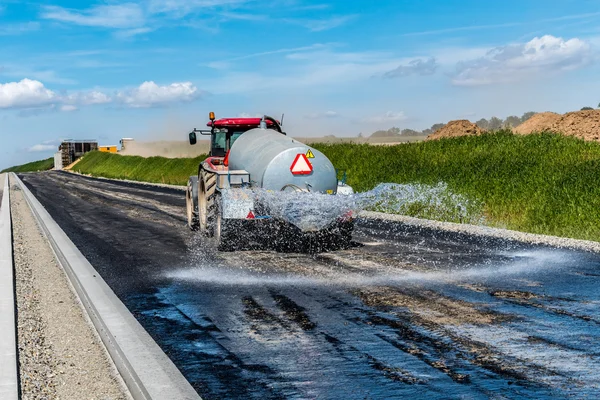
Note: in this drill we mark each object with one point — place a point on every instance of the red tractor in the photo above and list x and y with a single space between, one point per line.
250 153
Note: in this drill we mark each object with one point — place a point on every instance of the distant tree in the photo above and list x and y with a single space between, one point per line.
495 124
394 131
598 105
426 132
512 121
526 116
483 123
436 127
409 132
586 108
360 134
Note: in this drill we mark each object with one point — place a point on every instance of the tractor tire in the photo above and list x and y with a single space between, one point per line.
208 208
191 199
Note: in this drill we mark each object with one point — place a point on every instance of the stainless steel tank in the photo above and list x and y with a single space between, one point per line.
268 156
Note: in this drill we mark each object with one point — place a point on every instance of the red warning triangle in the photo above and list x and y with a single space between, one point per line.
250 215
301 165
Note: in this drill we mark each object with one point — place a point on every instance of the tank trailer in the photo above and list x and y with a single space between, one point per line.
247 153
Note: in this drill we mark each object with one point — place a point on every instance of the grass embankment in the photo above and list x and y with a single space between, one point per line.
542 183
170 171
35 166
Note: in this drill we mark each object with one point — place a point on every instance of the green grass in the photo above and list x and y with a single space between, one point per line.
171 171
542 183
42 165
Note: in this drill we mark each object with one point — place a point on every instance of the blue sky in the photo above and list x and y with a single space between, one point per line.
153 69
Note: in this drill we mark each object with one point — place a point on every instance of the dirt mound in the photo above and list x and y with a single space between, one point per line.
582 124
460 127
538 123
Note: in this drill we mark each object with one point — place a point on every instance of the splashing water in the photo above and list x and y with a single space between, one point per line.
521 263
314 211
423 201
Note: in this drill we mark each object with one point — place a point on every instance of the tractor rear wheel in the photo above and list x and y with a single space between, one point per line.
207 202
191 199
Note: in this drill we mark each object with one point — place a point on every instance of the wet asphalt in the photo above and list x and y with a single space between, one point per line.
405 312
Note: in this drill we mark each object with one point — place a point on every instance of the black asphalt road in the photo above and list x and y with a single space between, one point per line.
406 312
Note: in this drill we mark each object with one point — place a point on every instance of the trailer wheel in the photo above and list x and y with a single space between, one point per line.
191 199
207 205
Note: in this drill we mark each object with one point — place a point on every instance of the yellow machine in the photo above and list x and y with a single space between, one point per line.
108 149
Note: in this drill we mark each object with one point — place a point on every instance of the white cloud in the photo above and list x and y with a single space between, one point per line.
181 8
33 97
308 69
515 62
129 33
316 46
126 15
47 76
390 116
26 93
414 67
88 98
50 145
68 108
249 115
19 28
322 115
322 24
149 94
41 148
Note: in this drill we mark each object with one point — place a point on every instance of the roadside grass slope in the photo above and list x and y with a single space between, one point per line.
170 171
35 166
542 183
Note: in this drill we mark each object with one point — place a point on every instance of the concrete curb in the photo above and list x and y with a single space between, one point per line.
485 231
145 368
9 376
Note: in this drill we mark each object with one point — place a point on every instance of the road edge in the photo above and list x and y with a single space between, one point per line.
486 231
146 369
9 369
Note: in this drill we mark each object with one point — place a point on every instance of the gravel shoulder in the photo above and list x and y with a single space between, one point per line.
484 231
60 354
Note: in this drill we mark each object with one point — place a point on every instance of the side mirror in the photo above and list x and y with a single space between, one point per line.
193 139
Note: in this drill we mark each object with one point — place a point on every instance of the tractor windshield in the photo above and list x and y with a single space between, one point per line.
219 142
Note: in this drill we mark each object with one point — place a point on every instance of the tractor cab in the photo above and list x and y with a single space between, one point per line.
225 131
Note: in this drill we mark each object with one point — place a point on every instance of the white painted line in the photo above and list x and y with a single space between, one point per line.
9 378
145 368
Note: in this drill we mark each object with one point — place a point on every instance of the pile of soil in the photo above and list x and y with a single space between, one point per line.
460 127
582 124
538 123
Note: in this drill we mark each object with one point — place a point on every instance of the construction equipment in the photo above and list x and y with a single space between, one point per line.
254 153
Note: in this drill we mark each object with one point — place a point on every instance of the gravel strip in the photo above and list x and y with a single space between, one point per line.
476 230
60 354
